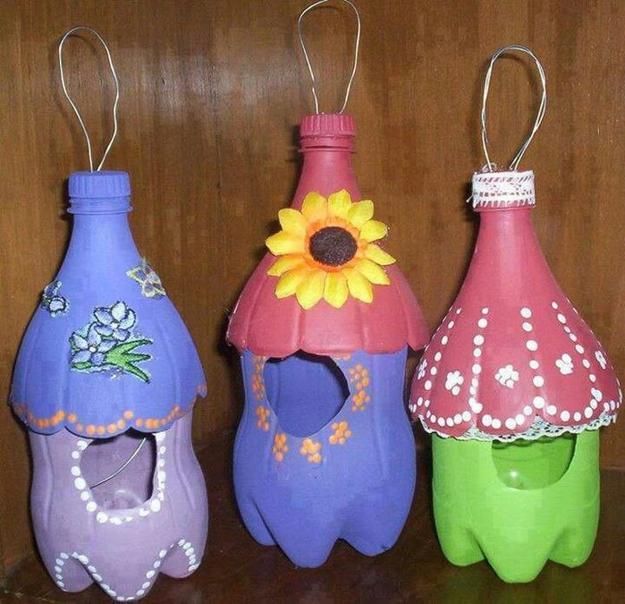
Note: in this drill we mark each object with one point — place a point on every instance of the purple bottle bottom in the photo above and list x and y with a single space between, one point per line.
353 478
151 518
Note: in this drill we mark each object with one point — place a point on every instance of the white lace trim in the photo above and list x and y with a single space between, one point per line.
537 430
503 189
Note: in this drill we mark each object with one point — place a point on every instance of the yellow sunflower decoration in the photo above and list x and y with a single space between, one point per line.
326 251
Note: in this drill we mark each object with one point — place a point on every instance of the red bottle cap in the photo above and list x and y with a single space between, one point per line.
327 129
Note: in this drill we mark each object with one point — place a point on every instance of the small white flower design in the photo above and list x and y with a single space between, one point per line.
453 382
421 370
601 359
507 376
565 364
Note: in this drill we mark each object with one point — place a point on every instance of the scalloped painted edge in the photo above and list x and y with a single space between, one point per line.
127 420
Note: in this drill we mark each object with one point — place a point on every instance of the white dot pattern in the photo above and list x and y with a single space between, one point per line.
596 394
527 419
532 345
474 406
186 546
438 356
153 504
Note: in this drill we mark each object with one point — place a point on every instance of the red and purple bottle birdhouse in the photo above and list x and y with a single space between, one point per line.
324 449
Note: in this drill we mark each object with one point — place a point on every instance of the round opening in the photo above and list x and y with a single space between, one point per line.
305 391
115 485
533 464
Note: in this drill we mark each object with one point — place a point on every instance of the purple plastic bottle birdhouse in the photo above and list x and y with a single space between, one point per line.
324 449
105 381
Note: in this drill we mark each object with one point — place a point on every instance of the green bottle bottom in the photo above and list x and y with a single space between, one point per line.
519 504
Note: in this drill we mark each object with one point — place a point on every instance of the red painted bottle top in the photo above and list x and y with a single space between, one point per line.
327 124
272 326
327 131
512 358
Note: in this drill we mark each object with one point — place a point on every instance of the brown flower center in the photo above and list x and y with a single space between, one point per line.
332 246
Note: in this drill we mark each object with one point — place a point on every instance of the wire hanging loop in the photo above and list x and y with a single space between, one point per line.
490 166
66 35
122 467
309 64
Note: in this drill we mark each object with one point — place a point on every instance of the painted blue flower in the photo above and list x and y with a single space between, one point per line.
58 305
115 321
52 301
91 348
109 344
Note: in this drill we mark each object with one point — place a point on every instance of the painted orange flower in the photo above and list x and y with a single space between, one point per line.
262 413
258 382
341 433
360 400
311 450
280 447
326 251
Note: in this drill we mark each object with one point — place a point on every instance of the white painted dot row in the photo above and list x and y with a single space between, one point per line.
458 418
537 379
437 357
153 505
186 546
595 393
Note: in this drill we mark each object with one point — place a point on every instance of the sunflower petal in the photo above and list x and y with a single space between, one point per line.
359 287
336 290
310 290
339 204
373 230
377 254
289 282
315 207
284 264
372 271
284 243
292 221
360 212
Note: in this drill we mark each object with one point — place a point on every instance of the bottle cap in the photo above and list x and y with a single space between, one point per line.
105 192
327 130
503 190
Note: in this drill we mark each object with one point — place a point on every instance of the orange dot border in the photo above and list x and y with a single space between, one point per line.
126 421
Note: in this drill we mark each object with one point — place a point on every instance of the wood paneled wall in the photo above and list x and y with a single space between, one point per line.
211 94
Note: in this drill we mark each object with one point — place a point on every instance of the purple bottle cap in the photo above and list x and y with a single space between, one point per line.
105 192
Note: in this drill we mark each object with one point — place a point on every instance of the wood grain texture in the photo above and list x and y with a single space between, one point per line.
211 95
